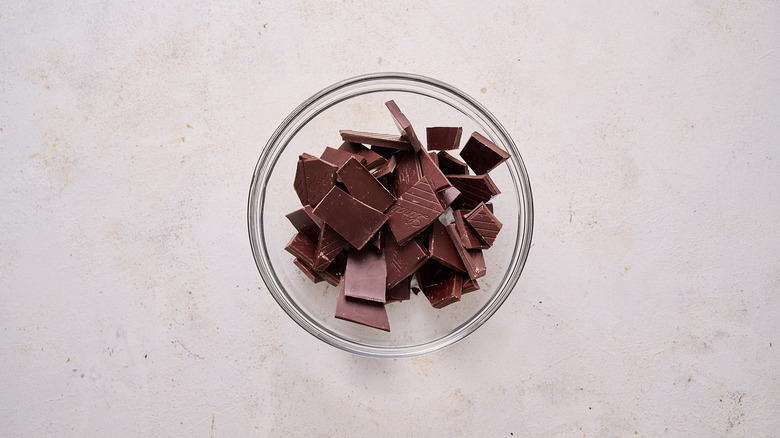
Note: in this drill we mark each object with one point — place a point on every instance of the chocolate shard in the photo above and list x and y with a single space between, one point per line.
366 274
364 187
385 169
473 189
378 239
469 285
441 138
368 313
482 155
338 157
402 261
313 179
442 249
329 245
440 285
403 125
472 259
400 292
431 171
484 223
309 272
413 212
372 158
306 222
375 139
407 173
353 220
434 157
333 273
451 165
490 207
302 248
448 195
468 235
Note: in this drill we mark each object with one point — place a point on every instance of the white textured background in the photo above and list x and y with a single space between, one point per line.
130 303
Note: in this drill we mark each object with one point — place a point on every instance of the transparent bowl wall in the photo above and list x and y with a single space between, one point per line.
358 104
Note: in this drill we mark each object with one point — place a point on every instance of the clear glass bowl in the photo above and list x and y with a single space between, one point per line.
358 104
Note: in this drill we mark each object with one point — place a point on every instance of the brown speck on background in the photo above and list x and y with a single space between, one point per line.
656 13
484 90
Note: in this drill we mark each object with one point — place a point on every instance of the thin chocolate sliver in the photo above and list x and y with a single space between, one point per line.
368 313
366 274
313 179
482 155
468 235
329 245
364 187
403 125
469 285
442 249
385 169
375 139
472 259
451 165
431 171
309 272
441 138
353 220
484 223
413 212
372 158
401 292
338 157
402 261
407 173
473 189
306 222
302 248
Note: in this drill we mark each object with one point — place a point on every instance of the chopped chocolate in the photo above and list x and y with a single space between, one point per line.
309 272
469 285
338 157
400 292
302 248
473 189
482 155
484 223
448 195
364 187
489 207
354 220
468 235
402 261
451 165
431 171
441 138
313 179
374 139
472 259
403 125
385 169
378 239
442 249
413 211
329 245
368 313
440 285
386 152
407 173
434 158
366 274
335 270
306 222
372 158
416 290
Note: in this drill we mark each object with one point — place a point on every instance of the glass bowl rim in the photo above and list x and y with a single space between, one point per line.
267 161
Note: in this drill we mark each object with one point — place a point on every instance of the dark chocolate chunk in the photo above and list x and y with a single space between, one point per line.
374 139
329 245
372 158
407 173
385 169
434 158
451 165
302 248
403 125
364 187
440 285
338 157
378 239
354 220
469 285
473 189
468 235
472 259
442 249
431 171
413 212
484 223
313 179
306 222
402 261
489 207
366 274
335 270
309 272
441 138
368 313
482 155
448 195
400 292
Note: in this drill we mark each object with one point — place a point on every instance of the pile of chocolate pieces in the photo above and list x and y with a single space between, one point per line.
372 217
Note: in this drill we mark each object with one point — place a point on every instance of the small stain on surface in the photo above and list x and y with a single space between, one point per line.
656 13
483 90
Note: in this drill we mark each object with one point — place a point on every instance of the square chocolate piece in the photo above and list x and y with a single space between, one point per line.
443 138
313 179
484 223
368 313
366 274
413 212
353 220
482 155
364 187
